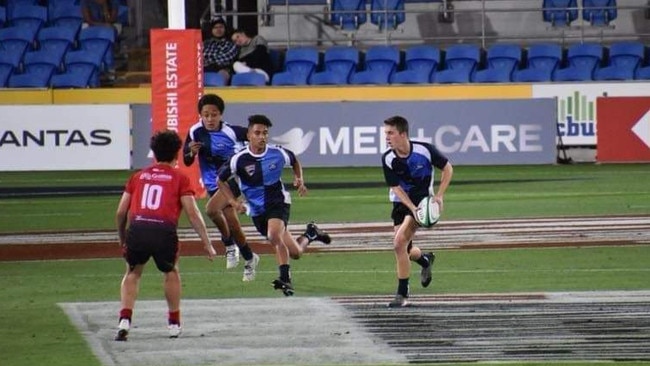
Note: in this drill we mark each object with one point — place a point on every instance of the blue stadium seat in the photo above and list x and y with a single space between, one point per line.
213 79
624 59
502 61
421 63
461 62
5 72
58 39
15 41
542 59
67 16
299 64
348 14
123 15
599 12
35 78
100 40
387 14
642 73
379 65
14 4
3 16
53 4
84 60
560 13
32 16
248 79
73 78
583 59
339 62
38 61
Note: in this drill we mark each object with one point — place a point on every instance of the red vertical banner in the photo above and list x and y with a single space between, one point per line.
177 85
623 129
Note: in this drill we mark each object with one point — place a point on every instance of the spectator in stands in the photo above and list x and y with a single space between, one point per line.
101 13
253 54
219 53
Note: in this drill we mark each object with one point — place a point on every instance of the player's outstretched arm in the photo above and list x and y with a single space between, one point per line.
194 215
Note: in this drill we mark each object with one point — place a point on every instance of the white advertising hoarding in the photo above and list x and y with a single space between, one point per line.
64 137
576 106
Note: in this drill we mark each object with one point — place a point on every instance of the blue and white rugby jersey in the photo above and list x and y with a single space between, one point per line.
260 176
218 147
413 173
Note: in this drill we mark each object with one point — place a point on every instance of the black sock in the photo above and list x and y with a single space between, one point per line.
423 261
403 287
246 251
227 241
285 275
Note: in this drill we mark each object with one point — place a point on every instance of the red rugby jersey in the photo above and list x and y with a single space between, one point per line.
156 194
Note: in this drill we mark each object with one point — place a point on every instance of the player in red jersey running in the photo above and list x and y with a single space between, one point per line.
147 221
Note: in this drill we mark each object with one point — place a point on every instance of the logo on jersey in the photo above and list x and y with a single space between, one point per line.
295 140
250 169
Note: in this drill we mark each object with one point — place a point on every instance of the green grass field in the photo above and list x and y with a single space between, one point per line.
36 331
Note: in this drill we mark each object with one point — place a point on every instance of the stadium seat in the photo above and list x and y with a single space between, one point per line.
58 39
387 14
542 61
379 65
123 15
3 16
16 41
248 79
642 73
32 16
421 63
85 60
5 72
100 40
299 64
339 62
14 4
583 59
67 16
40 60
348 14
461 62
213 79
36 78
53 4
78 77
502 61
560 13
624 59
599 12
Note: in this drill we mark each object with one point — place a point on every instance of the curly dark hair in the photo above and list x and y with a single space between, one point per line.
165 145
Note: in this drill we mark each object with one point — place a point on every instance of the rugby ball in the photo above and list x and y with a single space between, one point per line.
428 212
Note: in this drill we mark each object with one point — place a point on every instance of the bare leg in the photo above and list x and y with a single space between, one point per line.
172 287
275 234
215 211
130 286
403 235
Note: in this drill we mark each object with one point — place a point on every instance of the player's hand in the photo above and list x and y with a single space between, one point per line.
438 200
239 206
299 184
195 146
211 252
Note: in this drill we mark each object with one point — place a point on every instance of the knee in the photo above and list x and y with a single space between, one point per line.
212 212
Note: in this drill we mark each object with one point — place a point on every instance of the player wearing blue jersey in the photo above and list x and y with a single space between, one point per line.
408 171
259 169
214 142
